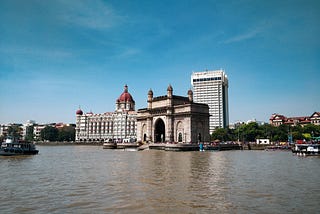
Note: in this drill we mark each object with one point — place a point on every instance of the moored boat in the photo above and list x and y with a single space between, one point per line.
306 149
132 146
278 148
109 145
11 147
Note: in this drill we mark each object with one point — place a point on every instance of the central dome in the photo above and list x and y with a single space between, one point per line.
79 112
125 96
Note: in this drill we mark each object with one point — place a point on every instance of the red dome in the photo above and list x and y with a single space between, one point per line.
79 112
125 96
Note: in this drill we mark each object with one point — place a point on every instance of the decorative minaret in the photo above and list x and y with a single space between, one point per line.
169 118
150 97
79 114
169 95
190 95
169 91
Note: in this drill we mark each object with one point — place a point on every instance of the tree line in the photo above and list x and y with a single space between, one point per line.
252 131
243 132
66 133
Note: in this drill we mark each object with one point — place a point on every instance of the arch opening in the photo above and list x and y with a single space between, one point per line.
159 131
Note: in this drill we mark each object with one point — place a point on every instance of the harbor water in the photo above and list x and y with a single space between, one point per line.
89 179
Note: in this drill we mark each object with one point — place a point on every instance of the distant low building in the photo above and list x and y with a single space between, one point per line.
263 141
315 118
278 119
30 128
3 130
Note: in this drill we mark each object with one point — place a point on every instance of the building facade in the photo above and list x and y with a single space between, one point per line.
173 118
278 119
116 126
211 87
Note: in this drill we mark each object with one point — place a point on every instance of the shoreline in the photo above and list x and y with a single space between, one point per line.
57 143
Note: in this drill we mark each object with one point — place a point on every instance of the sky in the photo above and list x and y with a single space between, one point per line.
57 55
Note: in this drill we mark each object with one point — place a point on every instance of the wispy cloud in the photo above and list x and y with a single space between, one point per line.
93 14
129 52
249 34
243 36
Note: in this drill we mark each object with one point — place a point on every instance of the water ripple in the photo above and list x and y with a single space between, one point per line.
88 179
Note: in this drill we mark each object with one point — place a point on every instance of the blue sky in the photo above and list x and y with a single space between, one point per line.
57 55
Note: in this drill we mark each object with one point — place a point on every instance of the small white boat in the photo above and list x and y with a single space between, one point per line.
10 148
306 149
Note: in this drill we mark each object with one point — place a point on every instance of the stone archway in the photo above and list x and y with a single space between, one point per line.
159 131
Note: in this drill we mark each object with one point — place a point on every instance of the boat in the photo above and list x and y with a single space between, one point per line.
10 147
306 149
128 146
109 145
278 148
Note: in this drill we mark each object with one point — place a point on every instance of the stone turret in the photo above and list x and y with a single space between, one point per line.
150 97
190 95
169 91
169 95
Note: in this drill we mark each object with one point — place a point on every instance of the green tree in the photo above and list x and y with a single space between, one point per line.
14 131
251 131
67 133
281 133
219 134
49 133
232 134
311 129
296 135
29 133
266 131
223 134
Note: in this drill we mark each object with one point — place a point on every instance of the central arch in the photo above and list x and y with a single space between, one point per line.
159 131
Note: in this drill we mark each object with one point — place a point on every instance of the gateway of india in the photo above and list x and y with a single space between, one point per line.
172 118
167 118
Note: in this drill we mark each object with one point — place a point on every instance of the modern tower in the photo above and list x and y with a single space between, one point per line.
211 87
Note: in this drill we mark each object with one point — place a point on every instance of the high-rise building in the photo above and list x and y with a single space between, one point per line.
211 87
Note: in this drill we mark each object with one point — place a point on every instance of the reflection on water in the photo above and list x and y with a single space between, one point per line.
88 179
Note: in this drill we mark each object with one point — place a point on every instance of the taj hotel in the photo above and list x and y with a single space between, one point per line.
166 118
118 125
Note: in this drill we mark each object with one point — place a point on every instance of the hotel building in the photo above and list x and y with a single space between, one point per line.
211 87
117 125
